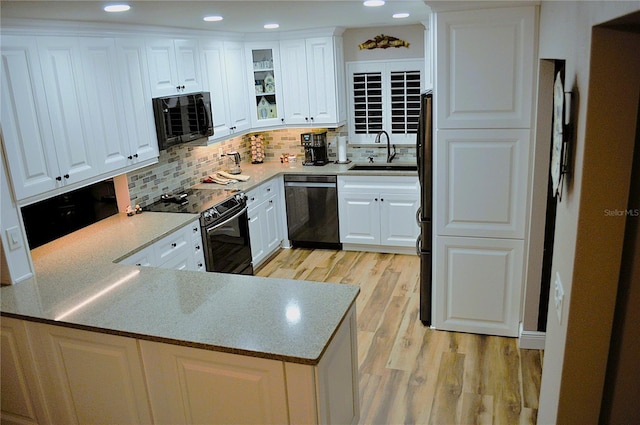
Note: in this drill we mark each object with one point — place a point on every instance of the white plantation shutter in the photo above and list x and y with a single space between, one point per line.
367 102
405 101
384 95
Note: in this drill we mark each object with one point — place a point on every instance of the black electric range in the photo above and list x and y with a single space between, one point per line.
224 225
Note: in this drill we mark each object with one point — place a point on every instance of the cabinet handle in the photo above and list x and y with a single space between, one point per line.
59 178
66 176
173 245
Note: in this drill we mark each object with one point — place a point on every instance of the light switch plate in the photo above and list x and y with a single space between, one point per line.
558 296
14 239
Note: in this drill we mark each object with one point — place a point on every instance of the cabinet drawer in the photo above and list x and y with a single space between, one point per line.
172 245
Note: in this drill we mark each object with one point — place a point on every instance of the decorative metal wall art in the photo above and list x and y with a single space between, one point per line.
383 42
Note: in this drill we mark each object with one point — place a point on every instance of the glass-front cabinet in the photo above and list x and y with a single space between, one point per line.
264 69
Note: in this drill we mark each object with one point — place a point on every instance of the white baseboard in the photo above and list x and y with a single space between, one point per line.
531 340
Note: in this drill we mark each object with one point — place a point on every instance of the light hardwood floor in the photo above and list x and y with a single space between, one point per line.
411 374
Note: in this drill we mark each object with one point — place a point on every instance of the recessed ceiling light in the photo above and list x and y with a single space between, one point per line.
117 8
213 18
373 3
271 26
400 15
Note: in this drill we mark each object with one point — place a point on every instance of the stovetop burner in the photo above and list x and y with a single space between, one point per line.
194 201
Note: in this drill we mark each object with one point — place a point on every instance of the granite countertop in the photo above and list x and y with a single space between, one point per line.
260 173
78 284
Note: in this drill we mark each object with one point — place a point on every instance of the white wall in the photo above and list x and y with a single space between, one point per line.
565 33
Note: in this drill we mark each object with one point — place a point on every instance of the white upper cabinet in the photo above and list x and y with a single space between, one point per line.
223 72
74 110
266 106
313 91
136 101
484 71
67 102
174 66
26 131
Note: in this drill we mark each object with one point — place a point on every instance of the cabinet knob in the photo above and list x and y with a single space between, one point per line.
306 118
130 157
197 247
381 199
66 176
135 155
199 264
311 118
195 230
376 199
138 264
282 119
59 178
173 245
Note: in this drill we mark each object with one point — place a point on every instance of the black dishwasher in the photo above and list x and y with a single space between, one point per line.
312 211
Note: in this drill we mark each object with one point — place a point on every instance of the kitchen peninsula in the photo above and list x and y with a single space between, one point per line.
88 338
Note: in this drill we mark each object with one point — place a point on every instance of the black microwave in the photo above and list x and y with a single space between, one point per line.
182 118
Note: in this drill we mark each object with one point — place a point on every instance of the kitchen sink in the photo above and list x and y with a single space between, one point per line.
384 167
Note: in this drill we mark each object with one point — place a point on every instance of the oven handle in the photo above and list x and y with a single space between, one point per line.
244 210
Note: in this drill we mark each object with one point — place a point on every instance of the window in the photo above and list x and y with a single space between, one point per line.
384 96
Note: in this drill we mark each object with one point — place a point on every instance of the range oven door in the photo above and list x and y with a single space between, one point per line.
227 245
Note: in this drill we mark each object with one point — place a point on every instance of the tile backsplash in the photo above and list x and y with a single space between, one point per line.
183 166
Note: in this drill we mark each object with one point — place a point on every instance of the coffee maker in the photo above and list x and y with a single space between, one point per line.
315 148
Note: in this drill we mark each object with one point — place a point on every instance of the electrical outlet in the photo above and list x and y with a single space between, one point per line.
558 296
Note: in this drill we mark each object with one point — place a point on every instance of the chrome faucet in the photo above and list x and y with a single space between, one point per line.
390 155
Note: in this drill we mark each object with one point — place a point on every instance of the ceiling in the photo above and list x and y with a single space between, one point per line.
241 16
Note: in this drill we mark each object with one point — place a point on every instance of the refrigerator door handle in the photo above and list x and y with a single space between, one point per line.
418 212
419 245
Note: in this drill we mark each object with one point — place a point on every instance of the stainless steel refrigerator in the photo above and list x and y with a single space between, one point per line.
424 153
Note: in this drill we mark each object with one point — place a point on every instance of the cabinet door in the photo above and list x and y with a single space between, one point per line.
295 82
189 385
271 227
398 225
267 109
21 393
163 72
238 91
26 131
484 68
256 234
136 100
215 82
67 104
478 285
493 205
103 86
188 65
359 218
90 377
321 71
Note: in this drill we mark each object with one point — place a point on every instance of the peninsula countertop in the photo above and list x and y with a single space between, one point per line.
78 284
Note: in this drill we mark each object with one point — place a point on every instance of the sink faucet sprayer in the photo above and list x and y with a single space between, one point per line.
390 155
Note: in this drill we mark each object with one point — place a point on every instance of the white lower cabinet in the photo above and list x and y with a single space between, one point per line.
89 377
264 220
60 375
378 211
478 284
181 250
188 385
21 393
